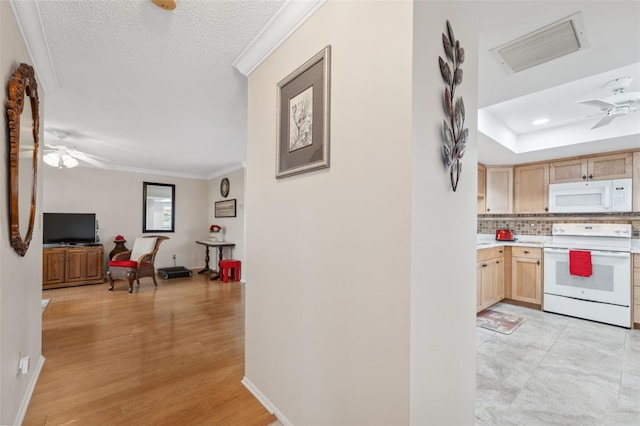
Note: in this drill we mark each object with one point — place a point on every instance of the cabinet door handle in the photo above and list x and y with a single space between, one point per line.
484 265
546 209
526 252
488 210
497 261
538 262
584 177
590 176
500 251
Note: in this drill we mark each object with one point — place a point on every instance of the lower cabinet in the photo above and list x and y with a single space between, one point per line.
526 274
66 266
636 290
489 277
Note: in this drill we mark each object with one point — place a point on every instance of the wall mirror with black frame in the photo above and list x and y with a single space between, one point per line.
158 207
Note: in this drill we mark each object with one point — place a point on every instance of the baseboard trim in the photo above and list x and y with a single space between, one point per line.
265 401
523 304
29 393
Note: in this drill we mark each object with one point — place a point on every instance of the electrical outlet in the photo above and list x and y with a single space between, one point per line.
23 365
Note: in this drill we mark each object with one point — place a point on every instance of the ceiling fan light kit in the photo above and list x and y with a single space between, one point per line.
65 156
165 4
60 160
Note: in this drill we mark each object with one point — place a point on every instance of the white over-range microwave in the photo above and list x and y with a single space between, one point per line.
596 196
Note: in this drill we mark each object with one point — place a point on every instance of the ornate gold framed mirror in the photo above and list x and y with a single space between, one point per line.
24 128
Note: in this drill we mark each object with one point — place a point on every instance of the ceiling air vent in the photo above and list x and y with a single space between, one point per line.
553 41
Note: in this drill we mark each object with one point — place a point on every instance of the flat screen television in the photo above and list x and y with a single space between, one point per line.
69 228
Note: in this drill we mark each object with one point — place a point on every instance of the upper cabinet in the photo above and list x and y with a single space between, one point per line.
531 189
524 189
613 166
482 184
568 171
499 192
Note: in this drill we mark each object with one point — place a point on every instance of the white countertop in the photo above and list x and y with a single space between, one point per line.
489 240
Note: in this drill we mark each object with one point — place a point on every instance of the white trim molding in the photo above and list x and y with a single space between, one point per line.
31 386
29 20
265 401
232 168
291 15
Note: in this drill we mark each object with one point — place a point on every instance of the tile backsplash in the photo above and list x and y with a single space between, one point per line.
541 224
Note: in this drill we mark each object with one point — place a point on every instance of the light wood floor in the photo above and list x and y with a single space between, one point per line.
167 356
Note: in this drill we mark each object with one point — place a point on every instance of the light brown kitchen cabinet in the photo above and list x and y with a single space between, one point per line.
482 184
531 188
490 278
499 192
70 266
526 274
599 167
568 171
499 265
614 166
636 291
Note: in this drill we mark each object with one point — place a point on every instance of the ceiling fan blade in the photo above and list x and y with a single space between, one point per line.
604 121
89 160
598 103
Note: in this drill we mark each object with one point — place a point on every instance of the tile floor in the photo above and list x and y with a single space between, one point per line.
556 370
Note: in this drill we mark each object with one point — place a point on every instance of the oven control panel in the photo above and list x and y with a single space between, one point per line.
592 229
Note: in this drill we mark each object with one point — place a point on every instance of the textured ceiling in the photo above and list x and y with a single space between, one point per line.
148 89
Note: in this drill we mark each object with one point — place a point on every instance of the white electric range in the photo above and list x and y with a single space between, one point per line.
605 295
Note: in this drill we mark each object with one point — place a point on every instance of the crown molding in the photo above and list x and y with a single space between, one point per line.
138 170
287 19
29 21
234 167
118 168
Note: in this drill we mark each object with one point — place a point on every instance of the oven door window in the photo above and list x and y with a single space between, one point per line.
601 280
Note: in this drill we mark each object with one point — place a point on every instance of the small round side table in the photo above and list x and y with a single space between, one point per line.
119 248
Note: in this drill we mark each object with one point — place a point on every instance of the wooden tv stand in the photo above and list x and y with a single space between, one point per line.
67 266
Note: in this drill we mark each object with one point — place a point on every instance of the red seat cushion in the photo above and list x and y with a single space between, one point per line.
124 263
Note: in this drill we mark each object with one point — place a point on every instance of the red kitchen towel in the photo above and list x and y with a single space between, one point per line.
580 263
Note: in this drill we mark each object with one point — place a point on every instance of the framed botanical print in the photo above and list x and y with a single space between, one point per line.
303 117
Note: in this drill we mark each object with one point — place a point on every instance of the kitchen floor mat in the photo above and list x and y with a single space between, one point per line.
498 321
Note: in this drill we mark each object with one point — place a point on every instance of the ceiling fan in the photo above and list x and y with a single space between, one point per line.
64 156
616 105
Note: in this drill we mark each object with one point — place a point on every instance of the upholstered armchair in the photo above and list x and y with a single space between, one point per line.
135 263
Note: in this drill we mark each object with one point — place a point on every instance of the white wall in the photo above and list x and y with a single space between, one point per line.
328 252
20 277
443 282
233 226
116 198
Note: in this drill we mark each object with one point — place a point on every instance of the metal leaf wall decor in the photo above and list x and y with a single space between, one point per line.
454 135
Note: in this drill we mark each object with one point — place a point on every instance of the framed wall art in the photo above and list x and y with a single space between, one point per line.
303 117
226 208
